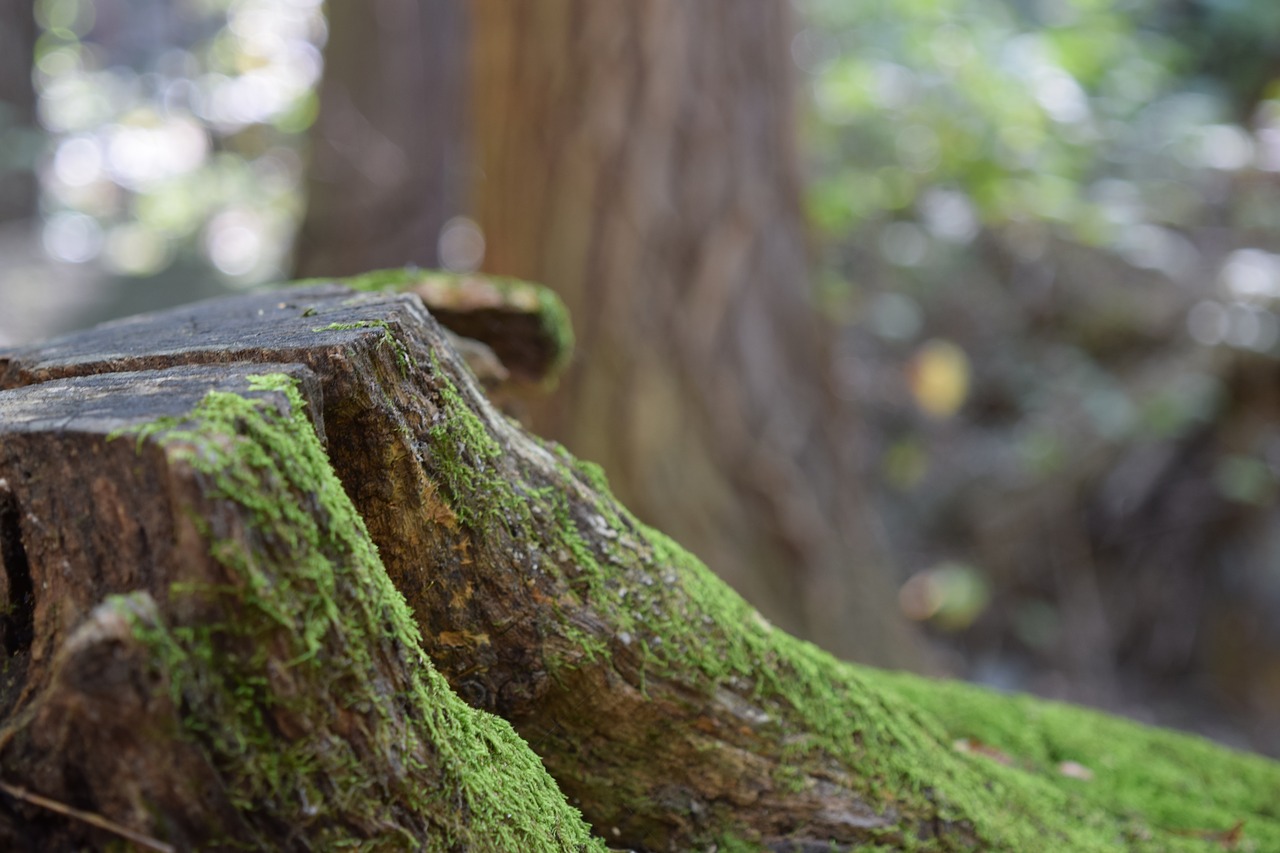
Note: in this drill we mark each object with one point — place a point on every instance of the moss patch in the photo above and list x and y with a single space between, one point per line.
1173 784
1152 790
281 668
556 323
463 456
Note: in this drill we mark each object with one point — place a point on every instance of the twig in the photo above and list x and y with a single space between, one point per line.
88 817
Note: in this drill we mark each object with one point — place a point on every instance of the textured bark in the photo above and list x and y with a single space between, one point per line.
388 161
667 709
639 158
211 668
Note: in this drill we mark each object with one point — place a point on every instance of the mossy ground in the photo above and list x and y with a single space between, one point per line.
282 679
1153 782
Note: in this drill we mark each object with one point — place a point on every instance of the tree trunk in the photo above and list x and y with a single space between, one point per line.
201 594
640 159
388 158
20 141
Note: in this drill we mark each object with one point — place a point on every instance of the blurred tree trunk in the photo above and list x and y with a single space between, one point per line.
387 160
641 160
18 136
638 158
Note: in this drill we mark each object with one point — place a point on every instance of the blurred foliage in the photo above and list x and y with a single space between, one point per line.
1050 233
966 157
176 130
1091 116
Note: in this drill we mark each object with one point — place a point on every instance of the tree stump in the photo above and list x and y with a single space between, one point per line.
279 576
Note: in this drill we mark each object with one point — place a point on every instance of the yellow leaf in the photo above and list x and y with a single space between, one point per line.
938 376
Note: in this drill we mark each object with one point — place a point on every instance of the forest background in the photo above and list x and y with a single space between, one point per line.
1003 391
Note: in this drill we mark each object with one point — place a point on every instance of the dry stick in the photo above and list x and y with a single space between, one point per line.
88 817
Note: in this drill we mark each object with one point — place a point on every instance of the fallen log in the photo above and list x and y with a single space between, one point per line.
186 578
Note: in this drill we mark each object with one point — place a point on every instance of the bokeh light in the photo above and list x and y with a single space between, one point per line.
184 149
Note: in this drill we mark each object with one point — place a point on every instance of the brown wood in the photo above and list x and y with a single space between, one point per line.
640 159
388 161
509 593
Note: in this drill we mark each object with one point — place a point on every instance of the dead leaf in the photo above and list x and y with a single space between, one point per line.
1228 838
970 746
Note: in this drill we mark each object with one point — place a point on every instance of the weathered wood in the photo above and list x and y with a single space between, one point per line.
665 707
215 657
523 325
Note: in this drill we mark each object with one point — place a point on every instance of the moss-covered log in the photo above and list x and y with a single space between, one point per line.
665 708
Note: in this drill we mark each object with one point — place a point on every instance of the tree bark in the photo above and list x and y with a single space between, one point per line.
388 150
203 648
202 594
640 159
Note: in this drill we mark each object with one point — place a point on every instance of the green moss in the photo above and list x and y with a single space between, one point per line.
463 458
397 278
733 844
895 735
403 359
1160 789
886 728
1145 778
276 669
